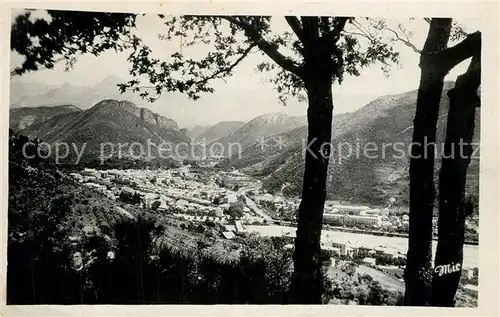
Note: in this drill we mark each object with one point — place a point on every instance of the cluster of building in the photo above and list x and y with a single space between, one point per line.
277 203
352 216
352 249
188 192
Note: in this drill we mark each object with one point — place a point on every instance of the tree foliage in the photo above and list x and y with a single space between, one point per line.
62 35
227 40
235 210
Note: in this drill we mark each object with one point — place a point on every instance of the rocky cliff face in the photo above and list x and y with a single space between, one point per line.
149 116
108 122
161 121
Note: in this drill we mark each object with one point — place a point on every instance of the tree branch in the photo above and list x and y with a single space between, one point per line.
18 71
452 56
470 80
363 32
295 25
269 49
214 75
363 29
359 34
337 30
404 41
230 67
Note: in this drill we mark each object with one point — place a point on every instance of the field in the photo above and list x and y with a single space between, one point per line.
385 280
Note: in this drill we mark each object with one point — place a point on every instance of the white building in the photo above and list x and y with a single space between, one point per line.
369 212
352 219
369 261
471 290
231 198
89 171
349 208
467 272
343 249
217 212
77 177
96 186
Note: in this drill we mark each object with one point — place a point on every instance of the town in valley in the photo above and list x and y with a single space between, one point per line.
199 192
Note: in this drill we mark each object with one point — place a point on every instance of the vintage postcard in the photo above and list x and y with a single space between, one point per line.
250 159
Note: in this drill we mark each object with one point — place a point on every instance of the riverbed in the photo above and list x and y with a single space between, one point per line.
471 252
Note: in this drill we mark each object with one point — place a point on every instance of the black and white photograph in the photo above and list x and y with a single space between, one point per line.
243 159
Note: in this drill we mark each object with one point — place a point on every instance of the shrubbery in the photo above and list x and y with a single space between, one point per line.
66 247
361 289
139 272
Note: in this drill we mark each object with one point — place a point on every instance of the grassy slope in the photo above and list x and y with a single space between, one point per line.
386 120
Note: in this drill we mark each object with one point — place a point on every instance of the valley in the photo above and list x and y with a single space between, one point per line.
220 200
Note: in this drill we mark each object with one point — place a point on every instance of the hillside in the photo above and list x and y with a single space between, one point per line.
197 130
109 121
70 244
21 118
261 127
372 178
256 159
218 131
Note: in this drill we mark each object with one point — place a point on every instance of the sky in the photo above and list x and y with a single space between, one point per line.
246 94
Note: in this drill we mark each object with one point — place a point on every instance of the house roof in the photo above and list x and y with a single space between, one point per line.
228 234
238 226
229 227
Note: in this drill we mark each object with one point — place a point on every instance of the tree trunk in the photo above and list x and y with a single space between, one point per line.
418 273
307 281
457 154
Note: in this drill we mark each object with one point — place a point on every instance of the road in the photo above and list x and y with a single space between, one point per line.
253 207
124 212
251 204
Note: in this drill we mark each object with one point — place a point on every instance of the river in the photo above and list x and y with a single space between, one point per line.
471 252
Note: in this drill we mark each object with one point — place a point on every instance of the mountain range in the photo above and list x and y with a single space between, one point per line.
384 124
108 121
260 127
215 132
272 145
38 94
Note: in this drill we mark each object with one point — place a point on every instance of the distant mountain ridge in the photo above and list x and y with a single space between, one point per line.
21 118
262 126
35 94
108 122
197 130
217 131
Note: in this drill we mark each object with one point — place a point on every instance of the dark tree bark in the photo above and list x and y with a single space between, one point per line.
418 274
307 280
435 63
457 155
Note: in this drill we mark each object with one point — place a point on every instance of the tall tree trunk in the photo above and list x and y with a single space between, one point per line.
418 274
457 154
307 279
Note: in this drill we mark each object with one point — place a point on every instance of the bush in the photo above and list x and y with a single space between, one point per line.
235 210
155 205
